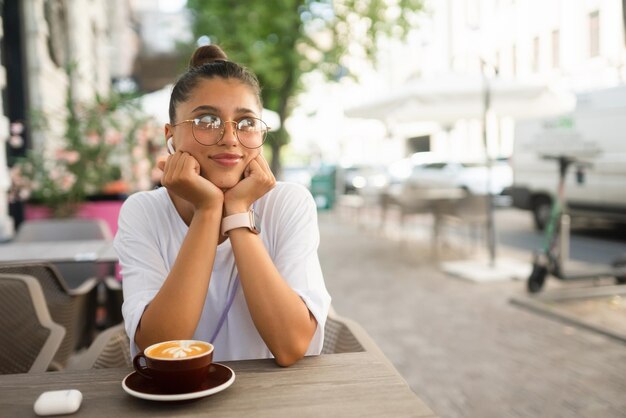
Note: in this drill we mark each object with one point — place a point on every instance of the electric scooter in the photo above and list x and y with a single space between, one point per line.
551 258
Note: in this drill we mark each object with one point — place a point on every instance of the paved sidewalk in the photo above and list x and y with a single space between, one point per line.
462 346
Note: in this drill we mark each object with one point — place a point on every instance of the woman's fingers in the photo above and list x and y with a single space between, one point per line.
260 165
265 168
161 163
179 167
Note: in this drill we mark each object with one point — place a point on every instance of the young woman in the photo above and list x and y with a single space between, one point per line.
222 253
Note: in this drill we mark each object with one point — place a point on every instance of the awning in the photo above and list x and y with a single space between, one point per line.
450 97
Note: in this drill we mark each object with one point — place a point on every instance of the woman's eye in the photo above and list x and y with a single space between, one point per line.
209 122
247 124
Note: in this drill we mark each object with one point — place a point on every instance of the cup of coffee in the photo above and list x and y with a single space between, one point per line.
176 366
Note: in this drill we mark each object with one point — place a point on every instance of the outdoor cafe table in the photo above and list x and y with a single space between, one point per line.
331 385
100 251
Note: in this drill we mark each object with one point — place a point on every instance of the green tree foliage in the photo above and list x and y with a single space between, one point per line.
282 39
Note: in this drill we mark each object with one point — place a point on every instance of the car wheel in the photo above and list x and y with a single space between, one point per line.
542 205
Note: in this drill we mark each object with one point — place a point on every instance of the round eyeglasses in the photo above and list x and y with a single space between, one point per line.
208 130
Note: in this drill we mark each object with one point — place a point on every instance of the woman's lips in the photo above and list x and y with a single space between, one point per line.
225 159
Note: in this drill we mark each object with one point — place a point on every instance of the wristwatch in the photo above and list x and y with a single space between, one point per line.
248 220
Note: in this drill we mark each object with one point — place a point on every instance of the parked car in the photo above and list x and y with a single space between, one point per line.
470 176
357 178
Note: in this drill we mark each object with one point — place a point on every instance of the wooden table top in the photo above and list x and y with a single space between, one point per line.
333 385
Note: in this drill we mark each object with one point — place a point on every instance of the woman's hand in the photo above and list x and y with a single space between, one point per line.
258 180
181 175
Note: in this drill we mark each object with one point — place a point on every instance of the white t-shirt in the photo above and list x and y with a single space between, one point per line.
151 233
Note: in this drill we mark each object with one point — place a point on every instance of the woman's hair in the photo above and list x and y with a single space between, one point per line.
208 62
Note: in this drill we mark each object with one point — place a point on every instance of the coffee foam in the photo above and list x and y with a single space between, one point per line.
178 350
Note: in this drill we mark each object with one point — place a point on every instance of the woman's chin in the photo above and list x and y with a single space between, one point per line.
225 184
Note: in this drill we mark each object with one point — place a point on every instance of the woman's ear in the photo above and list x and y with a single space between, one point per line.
169 142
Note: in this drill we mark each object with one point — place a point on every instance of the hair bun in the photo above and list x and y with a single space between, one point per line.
205 55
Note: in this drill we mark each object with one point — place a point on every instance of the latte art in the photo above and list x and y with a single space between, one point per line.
178 350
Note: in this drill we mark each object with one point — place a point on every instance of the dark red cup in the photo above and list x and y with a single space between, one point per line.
176 366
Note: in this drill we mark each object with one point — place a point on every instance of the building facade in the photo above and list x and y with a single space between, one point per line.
94 37
576 46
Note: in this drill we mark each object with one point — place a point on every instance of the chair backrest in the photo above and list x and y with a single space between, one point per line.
73 309
338 338
62 230
473 208
30 338
111 348
343 335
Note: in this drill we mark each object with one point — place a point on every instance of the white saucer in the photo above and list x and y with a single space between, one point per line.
219 378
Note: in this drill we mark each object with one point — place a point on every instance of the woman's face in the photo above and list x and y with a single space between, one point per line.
222 164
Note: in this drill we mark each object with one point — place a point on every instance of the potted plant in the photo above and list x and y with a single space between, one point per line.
108 148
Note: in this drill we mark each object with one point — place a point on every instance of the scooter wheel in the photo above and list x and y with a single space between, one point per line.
621 262
537 278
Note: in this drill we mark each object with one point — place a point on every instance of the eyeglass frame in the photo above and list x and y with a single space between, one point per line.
195 121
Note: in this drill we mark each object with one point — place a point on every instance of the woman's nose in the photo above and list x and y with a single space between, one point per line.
230 134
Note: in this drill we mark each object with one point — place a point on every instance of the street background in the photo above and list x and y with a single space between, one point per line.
461 345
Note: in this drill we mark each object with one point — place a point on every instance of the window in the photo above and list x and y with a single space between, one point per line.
594 34
56 17
556 49
418 144
536 54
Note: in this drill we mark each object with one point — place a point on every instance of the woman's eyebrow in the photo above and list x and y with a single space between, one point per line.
245 110
215 110
205 108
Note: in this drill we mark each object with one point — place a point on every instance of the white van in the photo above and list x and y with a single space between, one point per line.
596 132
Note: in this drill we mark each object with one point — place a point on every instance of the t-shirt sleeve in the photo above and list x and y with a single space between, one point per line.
143 267
295 253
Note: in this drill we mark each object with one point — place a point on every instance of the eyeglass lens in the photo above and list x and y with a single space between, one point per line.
209 129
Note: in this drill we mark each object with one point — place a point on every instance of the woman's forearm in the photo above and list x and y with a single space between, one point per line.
176 309
279 314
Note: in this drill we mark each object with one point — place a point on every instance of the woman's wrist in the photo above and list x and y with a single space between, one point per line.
231 208
209 212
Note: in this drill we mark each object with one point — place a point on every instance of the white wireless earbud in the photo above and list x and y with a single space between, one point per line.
170 146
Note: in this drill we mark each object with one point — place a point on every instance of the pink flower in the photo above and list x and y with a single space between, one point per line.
16 141
138 152
17 128
67 181
54 174
93 138
112 137
16 174
71 157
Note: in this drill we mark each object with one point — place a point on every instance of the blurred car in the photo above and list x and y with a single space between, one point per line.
470 176
363 178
